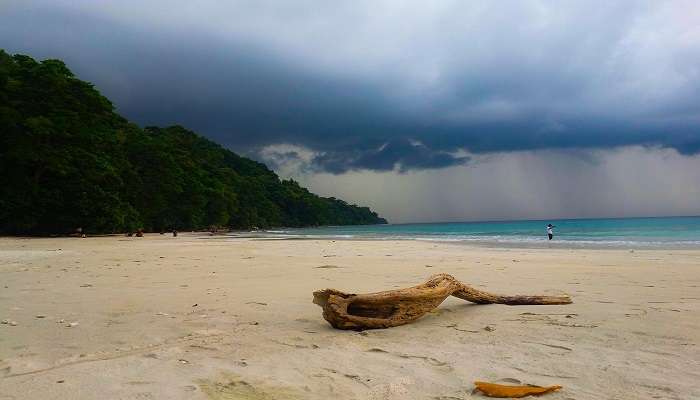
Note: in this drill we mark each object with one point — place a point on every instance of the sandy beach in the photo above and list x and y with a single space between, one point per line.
198 317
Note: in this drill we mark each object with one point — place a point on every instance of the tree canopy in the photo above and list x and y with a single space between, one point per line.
68 160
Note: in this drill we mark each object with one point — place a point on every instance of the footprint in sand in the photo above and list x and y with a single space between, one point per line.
231 388
429 360
398 388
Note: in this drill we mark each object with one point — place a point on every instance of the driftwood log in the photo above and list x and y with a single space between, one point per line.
402 306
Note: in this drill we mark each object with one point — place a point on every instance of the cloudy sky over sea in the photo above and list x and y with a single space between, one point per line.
441 110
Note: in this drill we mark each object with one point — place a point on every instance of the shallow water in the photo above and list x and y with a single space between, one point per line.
658 232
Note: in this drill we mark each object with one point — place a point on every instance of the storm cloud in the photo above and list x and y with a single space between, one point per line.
543 184
384 85
425 111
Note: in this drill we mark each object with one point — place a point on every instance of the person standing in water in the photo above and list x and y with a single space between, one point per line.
550 231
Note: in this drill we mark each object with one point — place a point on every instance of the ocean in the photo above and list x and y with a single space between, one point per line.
662 232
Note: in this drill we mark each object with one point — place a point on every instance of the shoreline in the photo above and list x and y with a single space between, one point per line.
197 317
485 243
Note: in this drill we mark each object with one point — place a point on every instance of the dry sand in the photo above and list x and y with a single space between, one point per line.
210 318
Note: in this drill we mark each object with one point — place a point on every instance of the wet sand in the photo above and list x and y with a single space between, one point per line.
198 318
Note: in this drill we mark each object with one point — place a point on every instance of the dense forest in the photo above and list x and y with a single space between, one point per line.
68 160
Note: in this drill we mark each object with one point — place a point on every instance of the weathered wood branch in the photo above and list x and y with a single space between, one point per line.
402 306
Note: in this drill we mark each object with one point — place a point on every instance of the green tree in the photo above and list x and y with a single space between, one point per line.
68 160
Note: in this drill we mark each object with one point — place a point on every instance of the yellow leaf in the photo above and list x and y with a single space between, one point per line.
495 390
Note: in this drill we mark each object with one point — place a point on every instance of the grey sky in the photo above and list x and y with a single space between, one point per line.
417 90
626 182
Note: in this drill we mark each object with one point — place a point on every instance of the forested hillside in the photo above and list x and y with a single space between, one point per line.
67 160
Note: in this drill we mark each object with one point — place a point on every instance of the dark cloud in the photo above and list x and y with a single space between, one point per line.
402 153
373 87
627 182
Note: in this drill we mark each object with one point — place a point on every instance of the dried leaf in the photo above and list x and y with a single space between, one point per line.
504 391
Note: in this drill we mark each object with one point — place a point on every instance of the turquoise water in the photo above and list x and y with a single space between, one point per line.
604 232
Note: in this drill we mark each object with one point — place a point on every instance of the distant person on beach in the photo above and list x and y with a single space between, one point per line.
78 233
550 231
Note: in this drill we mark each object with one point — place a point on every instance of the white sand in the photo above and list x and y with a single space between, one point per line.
632 332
